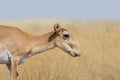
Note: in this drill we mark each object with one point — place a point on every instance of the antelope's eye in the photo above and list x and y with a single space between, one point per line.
66 36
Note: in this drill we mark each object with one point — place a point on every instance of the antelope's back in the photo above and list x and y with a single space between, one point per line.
13 39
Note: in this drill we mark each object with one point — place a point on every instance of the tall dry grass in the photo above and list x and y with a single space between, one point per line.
100 46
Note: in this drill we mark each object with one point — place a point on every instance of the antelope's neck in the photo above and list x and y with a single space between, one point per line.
42 43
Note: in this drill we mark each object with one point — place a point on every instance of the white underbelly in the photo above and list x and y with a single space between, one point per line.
5 57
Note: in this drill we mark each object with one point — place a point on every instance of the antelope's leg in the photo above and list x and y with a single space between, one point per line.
9 67
13 69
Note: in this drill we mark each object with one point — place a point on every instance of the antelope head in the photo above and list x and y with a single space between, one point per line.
65 41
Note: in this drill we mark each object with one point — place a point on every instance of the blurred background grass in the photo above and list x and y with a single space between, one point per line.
100 46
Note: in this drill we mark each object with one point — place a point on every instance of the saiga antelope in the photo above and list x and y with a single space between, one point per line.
16 46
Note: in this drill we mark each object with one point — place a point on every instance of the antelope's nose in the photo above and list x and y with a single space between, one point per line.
76 54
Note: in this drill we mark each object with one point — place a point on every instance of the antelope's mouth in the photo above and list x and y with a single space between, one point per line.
72 53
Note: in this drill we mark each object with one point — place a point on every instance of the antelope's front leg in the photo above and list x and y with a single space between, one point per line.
9 67
13 69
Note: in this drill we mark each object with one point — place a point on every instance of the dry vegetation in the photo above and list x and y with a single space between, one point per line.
100 46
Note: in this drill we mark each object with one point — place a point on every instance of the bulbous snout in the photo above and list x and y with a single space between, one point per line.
75 54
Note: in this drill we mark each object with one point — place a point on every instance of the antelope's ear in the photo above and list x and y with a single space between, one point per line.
56 27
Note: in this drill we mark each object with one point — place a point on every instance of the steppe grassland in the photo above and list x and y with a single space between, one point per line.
100 51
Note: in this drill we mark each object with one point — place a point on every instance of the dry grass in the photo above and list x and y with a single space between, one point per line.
100 46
